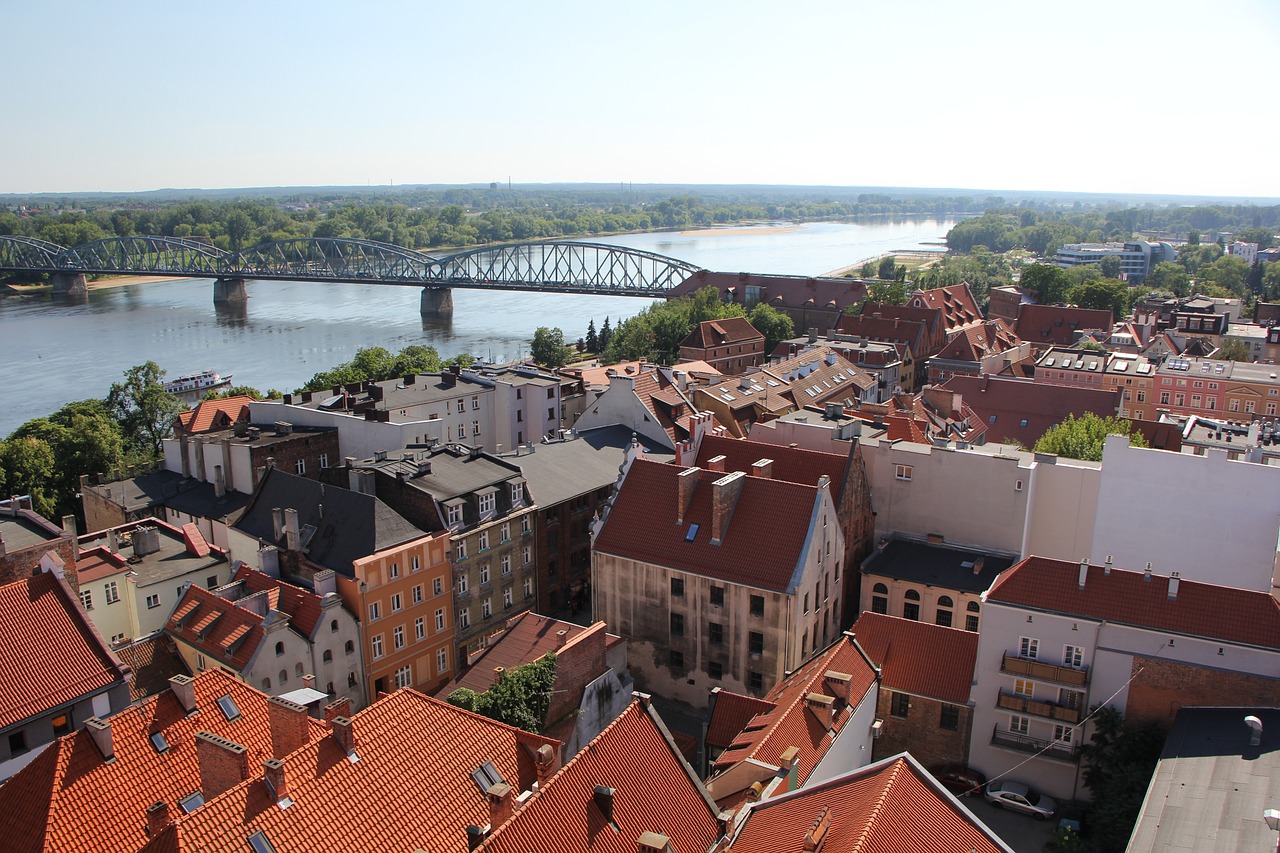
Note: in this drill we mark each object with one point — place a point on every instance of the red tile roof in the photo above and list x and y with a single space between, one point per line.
793 464
791 723
714 333
762 547
730 714
70 799
154 660
1055 325
1011 401
919 658
210 625
978 341
956 302
50 655
819 375
205 416
411 787
303 606
1125 597
527 638
892 806
656 791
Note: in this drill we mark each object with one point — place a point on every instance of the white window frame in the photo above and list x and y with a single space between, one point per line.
442 661
376 645
404 677
419 628
488 502
902 472
1029 648
1073 656
440 619
1019 725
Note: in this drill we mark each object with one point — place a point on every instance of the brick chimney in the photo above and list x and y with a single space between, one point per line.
500 797
277 523
822 707
223 764
344 734
687 483
337 708
547 761
309 681
289 725
724 496
184 690
837 683
653 842
789 769
100 730
762 468
562 637
716 463
157 817
978 563
273 774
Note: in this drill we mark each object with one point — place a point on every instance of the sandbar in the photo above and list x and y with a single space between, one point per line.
733 230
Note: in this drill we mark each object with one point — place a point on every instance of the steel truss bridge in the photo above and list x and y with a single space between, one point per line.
554 266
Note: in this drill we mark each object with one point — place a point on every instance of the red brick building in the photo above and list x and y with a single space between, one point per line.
730 345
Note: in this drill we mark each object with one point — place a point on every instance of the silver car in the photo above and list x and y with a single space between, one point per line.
1018 797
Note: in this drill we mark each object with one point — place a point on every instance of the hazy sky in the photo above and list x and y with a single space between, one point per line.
1122 96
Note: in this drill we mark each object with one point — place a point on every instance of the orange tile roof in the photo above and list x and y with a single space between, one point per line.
764 543
154 660
919 658
1126 598
50 655
819 375
730 714
303 606
791 723
656 791
204 417
208 625
956 302
714 333
973 343
70 799
793 464
892 806
411 787
1055 325
526 638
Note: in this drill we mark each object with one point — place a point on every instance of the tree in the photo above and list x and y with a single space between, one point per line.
1110 266
1171 278
519 698
775 325
238 226
547 347
887 268
1105 294
888 292
1233 350
1049 284
1230 272
27 468
592 339
606 335
144 410
1119 761
1084 437
868 270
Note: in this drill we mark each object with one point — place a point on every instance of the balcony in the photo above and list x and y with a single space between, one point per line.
1041 671
1056 750
1038 707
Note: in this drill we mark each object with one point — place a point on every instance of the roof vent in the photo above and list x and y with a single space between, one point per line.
1174 577
1255 730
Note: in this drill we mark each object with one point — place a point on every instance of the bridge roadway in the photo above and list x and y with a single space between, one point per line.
552 266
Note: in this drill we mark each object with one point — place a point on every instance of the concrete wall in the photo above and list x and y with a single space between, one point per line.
1227 538
619 405
852 747
1064 498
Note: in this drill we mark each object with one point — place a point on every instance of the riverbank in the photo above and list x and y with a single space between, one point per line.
743 229
97 284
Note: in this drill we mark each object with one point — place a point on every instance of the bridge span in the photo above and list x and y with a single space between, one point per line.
557 266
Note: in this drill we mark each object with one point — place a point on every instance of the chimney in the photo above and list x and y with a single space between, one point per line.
653 842
838 683
1174 577
184 690
273 775
223 764
1106 569
277 523
724 496
1084 573
604 801
100 730
562 637
813 335
818 831
157 817
546 761
226 463
219 482
500 804
762 468
69 525
716 463
978 563
687 482
309 681
830 359
293 539
1146 575
324 582
1255 730
789 769
289 724
337 708
822 707
343 733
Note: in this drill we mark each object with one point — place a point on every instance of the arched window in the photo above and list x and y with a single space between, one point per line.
943 616
911 607
912 595
266 684
297 670
880 589
284 676
333 626
945 601
350 647
279 649
972 607
328 656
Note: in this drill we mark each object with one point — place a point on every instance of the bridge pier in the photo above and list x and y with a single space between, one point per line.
229 290
70 284
437 302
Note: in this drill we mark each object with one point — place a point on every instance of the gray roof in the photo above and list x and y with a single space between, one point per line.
169 488
20 532
1211 786
171 561
455 469
936 565
344 525
562 470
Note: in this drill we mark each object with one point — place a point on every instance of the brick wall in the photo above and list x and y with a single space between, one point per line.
287 452
24 563
223 764
578 662
919 732
1162 687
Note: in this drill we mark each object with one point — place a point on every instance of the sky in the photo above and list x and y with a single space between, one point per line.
1125 96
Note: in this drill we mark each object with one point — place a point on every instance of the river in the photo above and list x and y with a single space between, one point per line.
52 352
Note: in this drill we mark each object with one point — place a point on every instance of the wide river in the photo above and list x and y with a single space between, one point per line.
52 352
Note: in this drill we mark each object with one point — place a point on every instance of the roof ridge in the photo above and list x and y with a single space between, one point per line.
876 809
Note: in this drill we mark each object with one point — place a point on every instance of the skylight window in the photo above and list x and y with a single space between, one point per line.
158 742
259 843
486 776
228 707
693 531
191 802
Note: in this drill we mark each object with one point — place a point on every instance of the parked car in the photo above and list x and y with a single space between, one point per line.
1018 797
959 779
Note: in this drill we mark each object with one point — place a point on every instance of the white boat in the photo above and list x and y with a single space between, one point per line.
199 382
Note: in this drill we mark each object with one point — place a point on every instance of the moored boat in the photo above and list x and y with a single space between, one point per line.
198 382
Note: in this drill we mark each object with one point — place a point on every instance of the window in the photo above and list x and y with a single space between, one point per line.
486 609
440 619
417 594
943 618
970 622
677 625
716 633
349 648
442 661
153 601
404 677
397 603
676 658
717 596
902 472
551 394
191 802
524 519
483 543
1018 724
279 649
119 638
227 706
300 467
900 704
488 501
395 570
528 587
1028 647
1023 687
475 427
755 681
377 646
504 532
464 584
419 628
755 643
677 587
462 406
806 603
398 637
524 555
506 598
991 420
324 460
949 718
551 413
715 670
327 657
1073 656
460 550
17 743
455 517
464 617
1062 734
437 586
1164 398
911 607
351 679
110 593
62 724
1142 396
375 611
484 574
475 403
1073 699
86 599
211 581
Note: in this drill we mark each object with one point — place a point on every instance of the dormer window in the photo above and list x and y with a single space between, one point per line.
488 501
454 513
517 493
